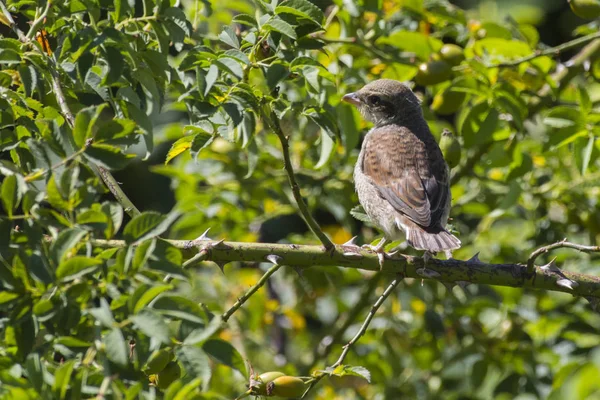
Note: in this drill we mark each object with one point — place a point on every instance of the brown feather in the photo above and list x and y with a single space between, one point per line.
409 172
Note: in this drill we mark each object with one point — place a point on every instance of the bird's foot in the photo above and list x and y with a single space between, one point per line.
379 250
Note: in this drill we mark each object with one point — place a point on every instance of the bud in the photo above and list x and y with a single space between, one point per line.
258 385
450 148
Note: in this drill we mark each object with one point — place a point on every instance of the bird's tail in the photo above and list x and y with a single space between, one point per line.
434 242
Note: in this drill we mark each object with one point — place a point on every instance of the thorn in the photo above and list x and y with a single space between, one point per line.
551 266
391 254
463 284
428 273
569 284
221 266
381 258
351 242
475 259
274 259
203 236
293 246
448 285
350 254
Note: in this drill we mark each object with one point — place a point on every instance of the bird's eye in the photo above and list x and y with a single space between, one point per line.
374 100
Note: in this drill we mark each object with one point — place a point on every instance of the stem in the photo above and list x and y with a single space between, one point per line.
398 57
358 335
451 271
562 243
368 320
263 279
138 19
273 121
39 20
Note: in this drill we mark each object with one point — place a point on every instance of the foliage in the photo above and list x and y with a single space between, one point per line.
87 86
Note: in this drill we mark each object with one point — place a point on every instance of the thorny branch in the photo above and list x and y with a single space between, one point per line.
562 243
450 271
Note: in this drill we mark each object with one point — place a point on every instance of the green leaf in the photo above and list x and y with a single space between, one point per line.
279 25
108 156
327 149
62 378
200 141
66 241
224 353
116 347
418 43
76 267
230 65
229 37
347 370
143 226
360 214
11 195
195 362
245 19
179 147
480 123
103 314
301 8
148 296
587 154
152 325
179 307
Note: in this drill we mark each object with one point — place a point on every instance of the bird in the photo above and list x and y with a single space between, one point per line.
401 177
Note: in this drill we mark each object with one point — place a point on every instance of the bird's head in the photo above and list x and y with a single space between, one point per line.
385 101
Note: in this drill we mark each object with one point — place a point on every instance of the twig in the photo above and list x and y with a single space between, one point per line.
115 189
557 245
39 20
12 23
359 334
263 279
137 19
368 320
451 271
35 175
273 121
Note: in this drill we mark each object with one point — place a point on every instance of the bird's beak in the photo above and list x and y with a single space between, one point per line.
352 98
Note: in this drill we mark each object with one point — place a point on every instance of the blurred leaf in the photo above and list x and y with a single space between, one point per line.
116 348
279 25
224 353
76 267
152 325
301 8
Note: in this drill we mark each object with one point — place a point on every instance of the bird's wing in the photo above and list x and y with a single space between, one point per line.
409 174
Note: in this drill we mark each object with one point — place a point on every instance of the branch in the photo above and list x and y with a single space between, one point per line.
273 121
451 271
115 188
562 243
358 335
402 57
